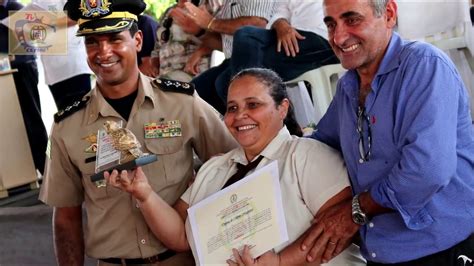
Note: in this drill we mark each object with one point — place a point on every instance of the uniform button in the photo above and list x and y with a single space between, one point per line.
371 225
373 255
143 241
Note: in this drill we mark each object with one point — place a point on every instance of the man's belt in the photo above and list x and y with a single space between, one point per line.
157 258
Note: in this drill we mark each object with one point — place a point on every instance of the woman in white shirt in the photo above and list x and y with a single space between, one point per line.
312 175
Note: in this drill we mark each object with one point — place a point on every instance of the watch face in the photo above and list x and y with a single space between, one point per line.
359 218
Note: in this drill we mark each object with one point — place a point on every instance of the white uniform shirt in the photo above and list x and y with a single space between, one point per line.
61 67
306 15
310 174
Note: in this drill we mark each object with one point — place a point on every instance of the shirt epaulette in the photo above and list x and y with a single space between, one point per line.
71 109
173 85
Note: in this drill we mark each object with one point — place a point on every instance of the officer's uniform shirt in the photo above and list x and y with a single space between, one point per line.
115 226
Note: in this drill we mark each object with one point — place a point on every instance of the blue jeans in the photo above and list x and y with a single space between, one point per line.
257 47
208 82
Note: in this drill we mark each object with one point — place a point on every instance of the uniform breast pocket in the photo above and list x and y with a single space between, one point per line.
98 194
168 170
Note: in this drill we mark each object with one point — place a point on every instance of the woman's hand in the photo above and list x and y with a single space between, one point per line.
199 15
187 24
192 65
268 258
137 184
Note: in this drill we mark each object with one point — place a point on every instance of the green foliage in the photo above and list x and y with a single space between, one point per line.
155 8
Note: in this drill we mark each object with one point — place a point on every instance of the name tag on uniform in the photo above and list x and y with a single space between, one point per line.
165 129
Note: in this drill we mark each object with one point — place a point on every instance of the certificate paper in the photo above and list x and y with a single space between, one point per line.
249 212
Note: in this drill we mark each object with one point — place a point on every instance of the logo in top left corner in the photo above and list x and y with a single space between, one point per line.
36 32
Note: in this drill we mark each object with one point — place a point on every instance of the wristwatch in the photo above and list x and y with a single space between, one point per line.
358 216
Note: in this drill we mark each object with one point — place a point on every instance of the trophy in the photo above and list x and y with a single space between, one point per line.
117 148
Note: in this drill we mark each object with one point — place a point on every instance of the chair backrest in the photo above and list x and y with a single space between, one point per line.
323 83
216 58
444 23
417 19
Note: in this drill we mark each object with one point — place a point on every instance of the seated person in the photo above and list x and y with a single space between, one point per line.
148 26
294 42
220 29
177 39
312 175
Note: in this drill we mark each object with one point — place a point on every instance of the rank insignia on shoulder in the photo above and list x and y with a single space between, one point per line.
71 109
174 86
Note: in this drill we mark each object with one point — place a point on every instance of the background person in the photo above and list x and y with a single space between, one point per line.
177 39
148 26
293 43
219 36
26 83
68 76
401 119
115 231
256 110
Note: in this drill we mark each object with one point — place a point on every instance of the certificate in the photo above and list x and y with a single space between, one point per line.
249 212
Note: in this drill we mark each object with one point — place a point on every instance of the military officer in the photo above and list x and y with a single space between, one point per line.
115 231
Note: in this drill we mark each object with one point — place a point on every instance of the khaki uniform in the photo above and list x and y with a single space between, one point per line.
115 226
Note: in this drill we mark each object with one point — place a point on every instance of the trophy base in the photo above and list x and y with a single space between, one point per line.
126 166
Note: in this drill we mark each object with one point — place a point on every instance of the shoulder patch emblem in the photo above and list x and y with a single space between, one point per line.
71 109
174 86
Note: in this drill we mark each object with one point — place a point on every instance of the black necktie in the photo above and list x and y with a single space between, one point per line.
242 170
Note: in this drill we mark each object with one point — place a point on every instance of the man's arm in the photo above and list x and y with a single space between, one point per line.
68 236
223 26
292 254
335 225
212 41
288 37
230 26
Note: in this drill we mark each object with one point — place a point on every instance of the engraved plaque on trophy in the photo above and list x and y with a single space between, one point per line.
117 148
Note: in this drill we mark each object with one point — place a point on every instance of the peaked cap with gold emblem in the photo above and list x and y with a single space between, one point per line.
103 16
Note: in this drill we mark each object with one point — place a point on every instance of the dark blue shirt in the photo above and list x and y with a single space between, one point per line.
422 153
148 26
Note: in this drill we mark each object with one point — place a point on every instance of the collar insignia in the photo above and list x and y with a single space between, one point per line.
92 140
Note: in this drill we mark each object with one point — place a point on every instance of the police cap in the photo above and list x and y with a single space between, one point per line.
103 16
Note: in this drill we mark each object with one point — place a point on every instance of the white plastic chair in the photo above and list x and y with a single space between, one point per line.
323 83
216 58
445 24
